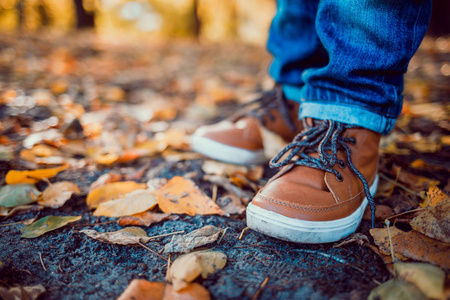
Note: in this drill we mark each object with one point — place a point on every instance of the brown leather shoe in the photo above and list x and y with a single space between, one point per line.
328 177
239 140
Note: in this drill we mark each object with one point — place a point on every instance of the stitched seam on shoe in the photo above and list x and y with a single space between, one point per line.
305 208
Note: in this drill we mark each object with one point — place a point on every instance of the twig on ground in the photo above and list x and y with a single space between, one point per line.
406 212
165 234
152 251
242 233
214 193
259 290
168 268
42 261
4 283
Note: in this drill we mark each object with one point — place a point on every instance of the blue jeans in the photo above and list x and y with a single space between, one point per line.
344 59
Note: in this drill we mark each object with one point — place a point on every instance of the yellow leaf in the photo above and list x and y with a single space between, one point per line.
434 197
112 191
189 266
396 289
58 193
132 203
181 196
32 176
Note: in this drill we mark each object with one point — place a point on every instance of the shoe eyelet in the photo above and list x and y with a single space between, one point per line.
339 178
341 164
353 141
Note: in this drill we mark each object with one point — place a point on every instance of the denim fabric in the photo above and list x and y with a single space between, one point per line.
369 45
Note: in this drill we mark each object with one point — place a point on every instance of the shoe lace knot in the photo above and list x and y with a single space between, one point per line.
325 138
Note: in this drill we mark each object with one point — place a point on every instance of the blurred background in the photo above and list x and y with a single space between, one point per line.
215 20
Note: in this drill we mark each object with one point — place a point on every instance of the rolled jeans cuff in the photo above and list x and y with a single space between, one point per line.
346 113
292 92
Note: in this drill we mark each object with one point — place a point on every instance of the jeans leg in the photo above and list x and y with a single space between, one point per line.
294 44
370 43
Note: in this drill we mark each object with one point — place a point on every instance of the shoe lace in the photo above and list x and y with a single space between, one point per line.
270 100
326 139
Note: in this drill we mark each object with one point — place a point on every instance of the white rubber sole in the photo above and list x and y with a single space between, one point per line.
226 153
301 231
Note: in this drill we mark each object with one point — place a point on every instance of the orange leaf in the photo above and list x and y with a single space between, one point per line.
434 197
111 191
32 176
134 202
141 289
181 196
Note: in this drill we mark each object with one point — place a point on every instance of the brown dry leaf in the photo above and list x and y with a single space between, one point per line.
434 197
435 221
146 218
230 204
413 245
131 203
56 194
181 196
428 278
111 191
382 212
104 179
189 266
126 236
74 147
199 237
22 292
32 176
141 289
415 182
8 212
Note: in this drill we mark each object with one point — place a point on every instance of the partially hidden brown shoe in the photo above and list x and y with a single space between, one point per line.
239 140
328 177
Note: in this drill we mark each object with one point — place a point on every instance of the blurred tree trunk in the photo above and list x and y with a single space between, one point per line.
85 19
440 20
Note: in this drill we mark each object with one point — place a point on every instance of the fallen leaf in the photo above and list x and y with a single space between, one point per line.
141 289
189 266
143 219
435 221
428 278
199 237
56 194
214 167
230 204
32 176
132 203
412 245
6 153
45 225
111 191
104 179
36 138
173 138
18 194
434 197
381 212
126 236
181 196
22 292
224 182
8 212
396 289
415 182
175 156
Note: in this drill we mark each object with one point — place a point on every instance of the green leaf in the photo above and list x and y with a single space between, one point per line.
18 194
396 289
46 224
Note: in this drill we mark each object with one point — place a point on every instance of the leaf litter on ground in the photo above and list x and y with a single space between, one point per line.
137 201
56 194
22 292
146 218
18 194
194 239
111 191
126 236
32 176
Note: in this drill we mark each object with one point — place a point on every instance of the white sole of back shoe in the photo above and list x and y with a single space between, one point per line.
301 231
226 153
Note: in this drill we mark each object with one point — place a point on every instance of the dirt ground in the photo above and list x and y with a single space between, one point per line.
71 265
